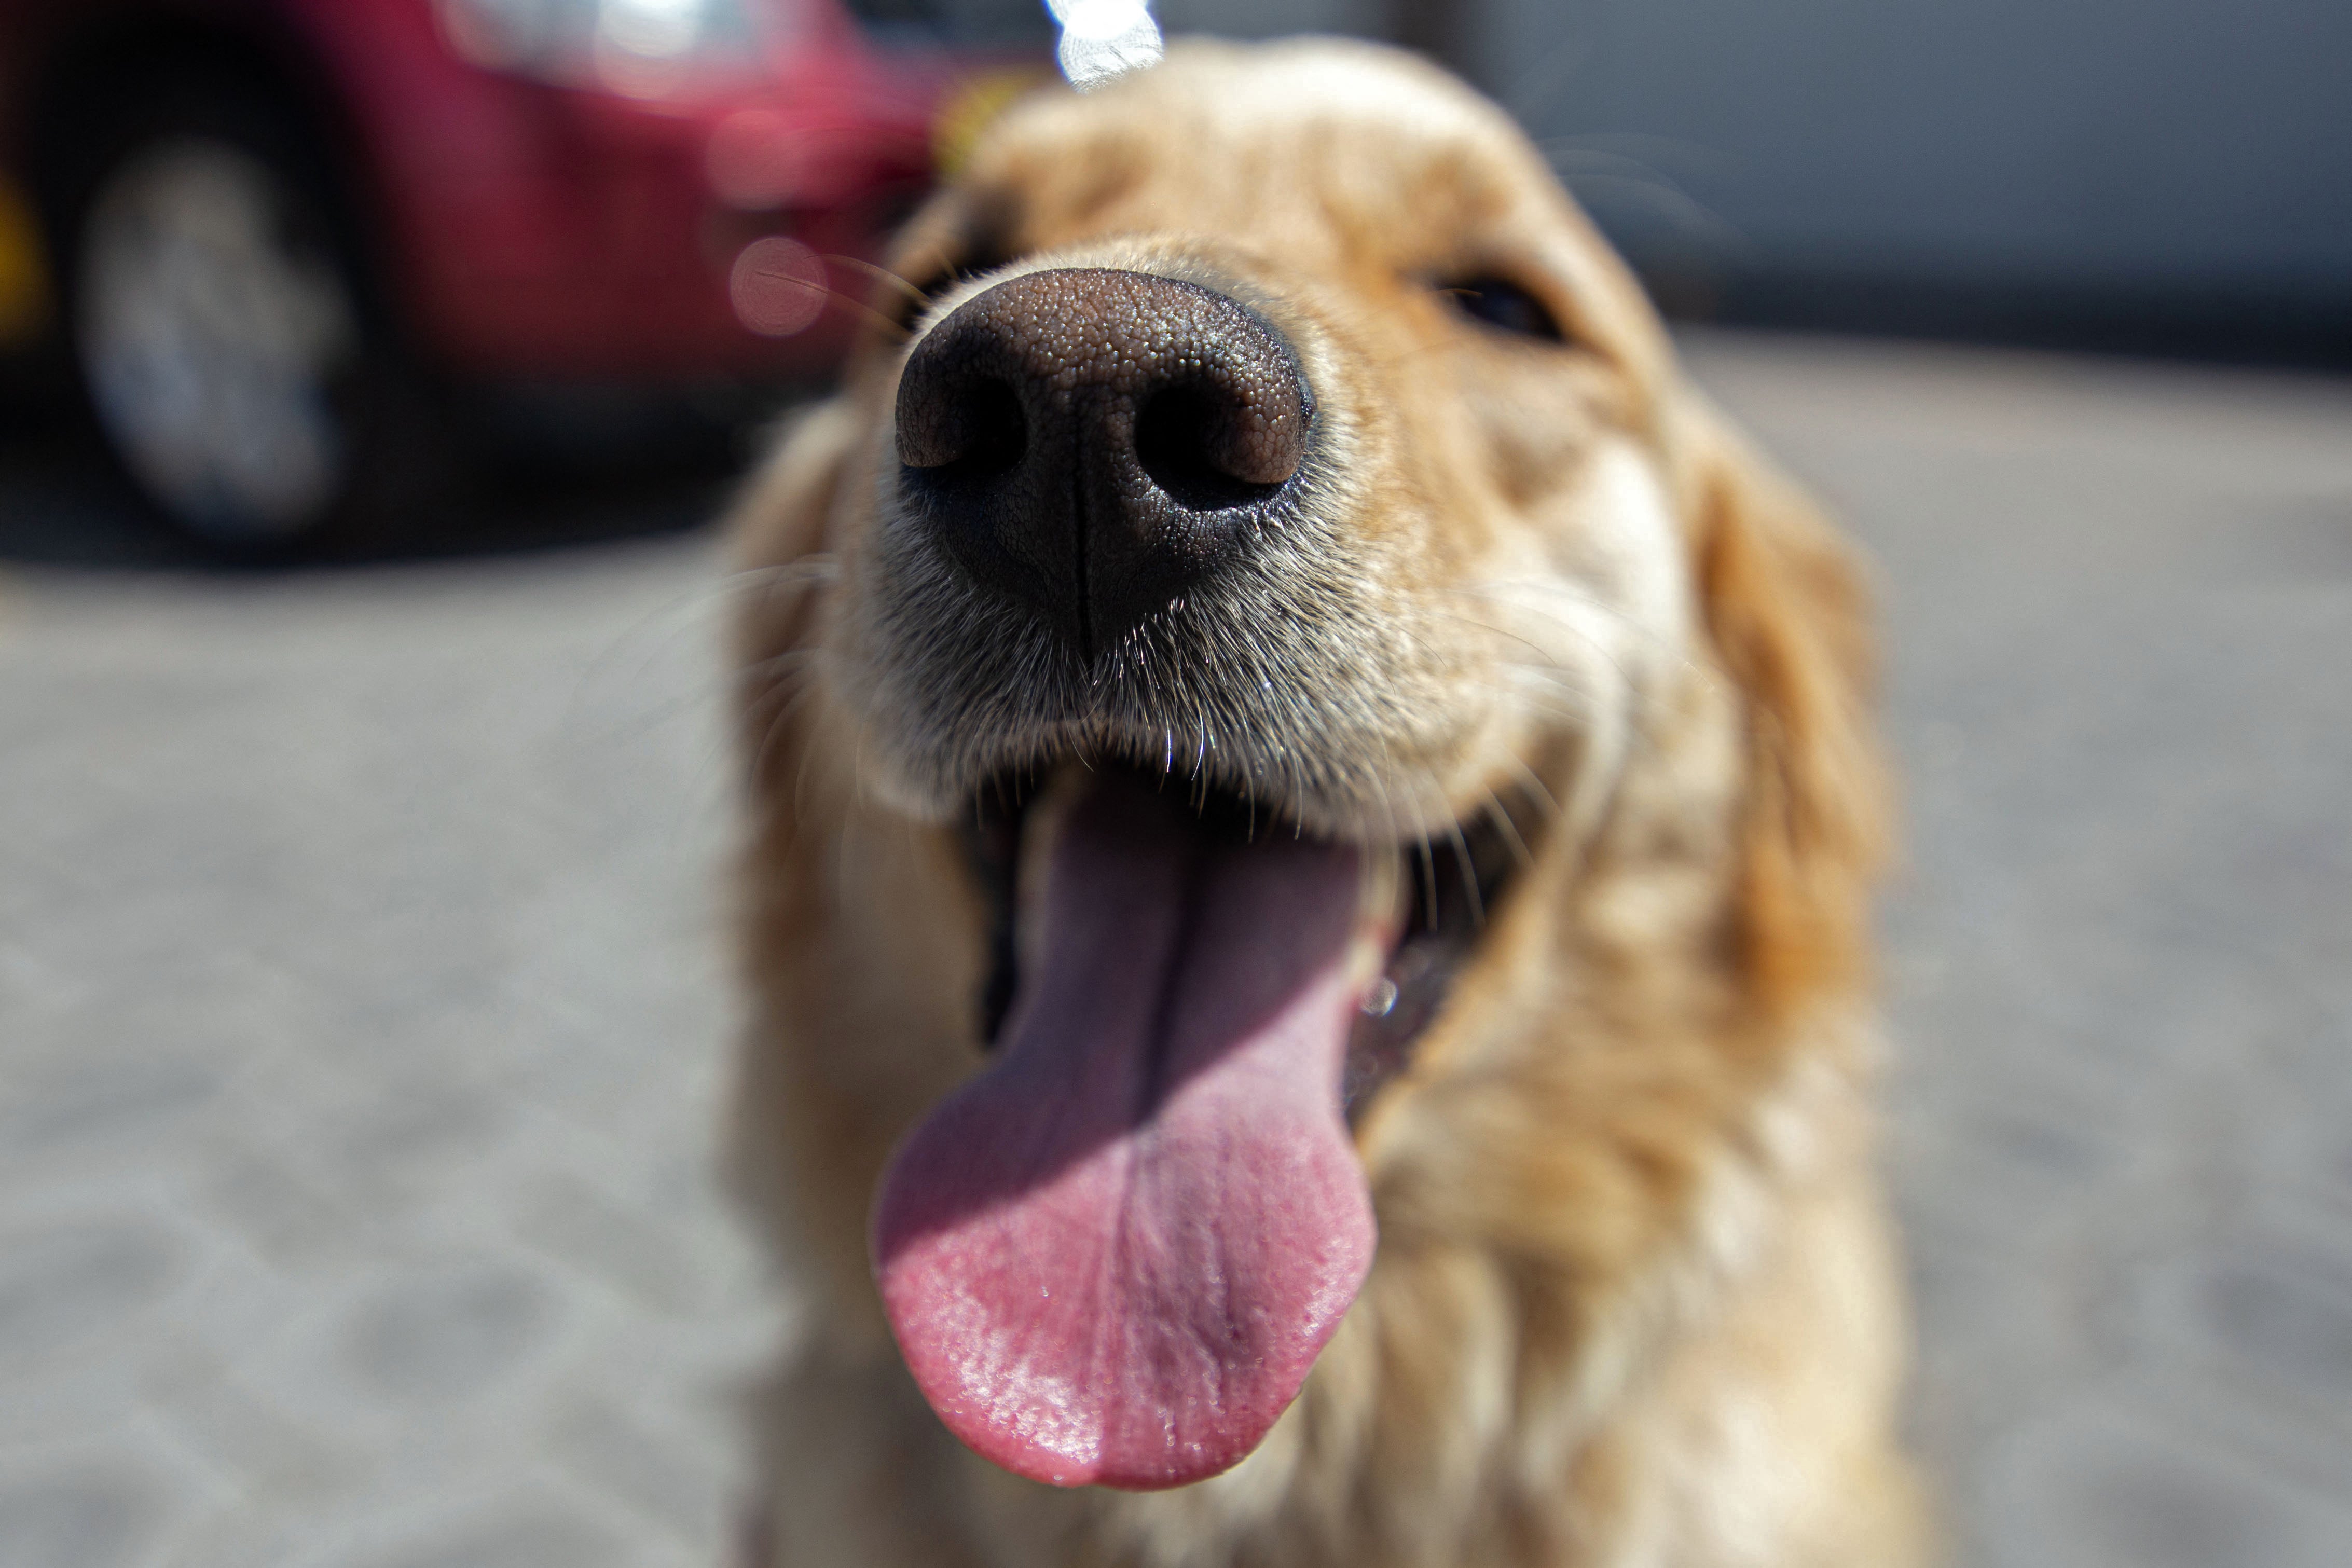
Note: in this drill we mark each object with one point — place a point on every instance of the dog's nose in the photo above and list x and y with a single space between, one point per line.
1092 443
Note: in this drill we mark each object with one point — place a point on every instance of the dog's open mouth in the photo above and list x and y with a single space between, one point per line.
1112 1256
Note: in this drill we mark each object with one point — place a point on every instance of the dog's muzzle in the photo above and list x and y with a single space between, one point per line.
1090 444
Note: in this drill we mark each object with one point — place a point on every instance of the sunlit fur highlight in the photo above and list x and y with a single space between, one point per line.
1634 1301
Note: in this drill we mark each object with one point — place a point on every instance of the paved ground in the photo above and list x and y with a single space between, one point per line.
363 1011
2121 614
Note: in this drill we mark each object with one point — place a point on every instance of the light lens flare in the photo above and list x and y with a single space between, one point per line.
778 287
1102 40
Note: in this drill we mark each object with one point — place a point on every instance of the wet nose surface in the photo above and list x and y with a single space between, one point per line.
1091 443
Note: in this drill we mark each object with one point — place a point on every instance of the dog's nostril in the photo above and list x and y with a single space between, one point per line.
1208 449
995 435
973 428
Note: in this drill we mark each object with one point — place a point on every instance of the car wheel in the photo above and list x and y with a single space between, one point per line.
223 329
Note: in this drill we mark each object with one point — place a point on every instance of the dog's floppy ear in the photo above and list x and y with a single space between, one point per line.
781 529
1789 612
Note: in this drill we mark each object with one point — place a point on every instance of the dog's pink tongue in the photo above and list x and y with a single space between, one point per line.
1112 1256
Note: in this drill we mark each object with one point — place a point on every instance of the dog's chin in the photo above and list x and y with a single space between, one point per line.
1112 1256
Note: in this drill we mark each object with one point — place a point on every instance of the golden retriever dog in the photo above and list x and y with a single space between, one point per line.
1312 815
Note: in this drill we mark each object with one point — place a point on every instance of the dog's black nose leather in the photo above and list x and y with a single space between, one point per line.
1092 443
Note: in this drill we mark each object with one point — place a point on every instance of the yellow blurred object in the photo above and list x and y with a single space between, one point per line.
24 279
971 107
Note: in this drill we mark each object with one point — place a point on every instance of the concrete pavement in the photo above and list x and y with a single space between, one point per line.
362 1006
2119 604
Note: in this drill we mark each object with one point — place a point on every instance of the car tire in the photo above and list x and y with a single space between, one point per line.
226 331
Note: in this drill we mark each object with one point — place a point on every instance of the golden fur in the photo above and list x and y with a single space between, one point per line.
1635 1301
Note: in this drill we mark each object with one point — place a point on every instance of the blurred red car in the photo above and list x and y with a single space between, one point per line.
273 233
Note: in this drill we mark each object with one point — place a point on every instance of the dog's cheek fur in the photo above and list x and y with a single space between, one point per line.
832 886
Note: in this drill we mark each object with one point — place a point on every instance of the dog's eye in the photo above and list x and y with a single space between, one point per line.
1506 306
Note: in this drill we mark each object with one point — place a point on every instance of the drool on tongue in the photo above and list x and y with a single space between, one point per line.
1112 1256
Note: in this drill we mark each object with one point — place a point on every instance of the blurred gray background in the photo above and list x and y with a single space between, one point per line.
2150 174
